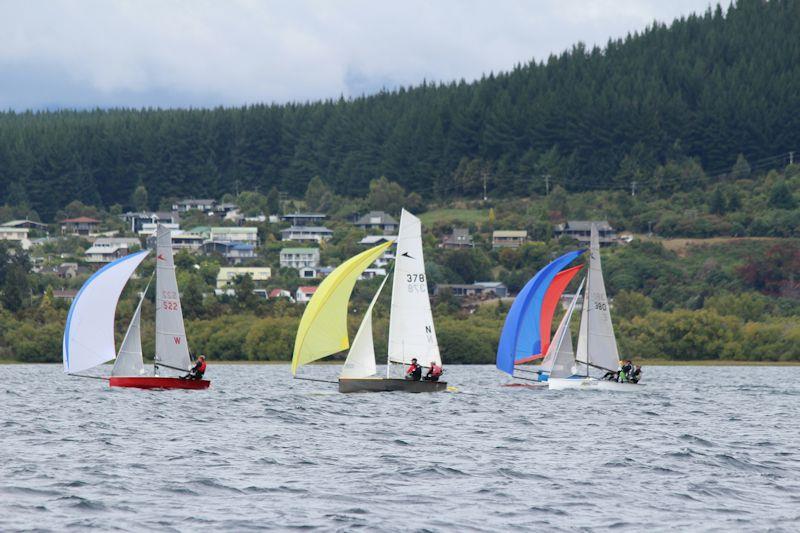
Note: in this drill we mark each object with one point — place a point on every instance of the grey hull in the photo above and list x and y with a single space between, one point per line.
387 385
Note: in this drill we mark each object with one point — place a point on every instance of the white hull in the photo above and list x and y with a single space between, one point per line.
590 384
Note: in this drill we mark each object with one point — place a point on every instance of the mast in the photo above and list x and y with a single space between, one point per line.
585 311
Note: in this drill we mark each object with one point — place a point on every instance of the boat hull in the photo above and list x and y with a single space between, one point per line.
389 385
591 384
157 382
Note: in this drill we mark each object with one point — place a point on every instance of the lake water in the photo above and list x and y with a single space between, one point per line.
699 448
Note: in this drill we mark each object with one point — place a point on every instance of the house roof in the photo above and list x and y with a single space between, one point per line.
237 229
64 293
81 220
306 289
304 215
17 223
377 239
510 233
376 217
111 241
307 229
277 293
585 225
299 250
203 201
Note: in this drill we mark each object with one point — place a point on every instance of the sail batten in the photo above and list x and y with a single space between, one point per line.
323 327
89 332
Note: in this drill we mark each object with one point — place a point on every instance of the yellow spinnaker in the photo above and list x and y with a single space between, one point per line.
323 328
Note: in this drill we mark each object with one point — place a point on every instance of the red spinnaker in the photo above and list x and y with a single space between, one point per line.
551 299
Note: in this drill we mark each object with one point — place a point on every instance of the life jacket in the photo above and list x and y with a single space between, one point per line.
201 369
436 370
411 369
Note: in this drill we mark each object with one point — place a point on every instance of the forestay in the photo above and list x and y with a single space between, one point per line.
89 333
323 328
129 359
360 362
599 346
411 331
171 346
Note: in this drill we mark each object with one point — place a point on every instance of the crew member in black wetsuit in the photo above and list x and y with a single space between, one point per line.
625 371
197 370
636 375
414 372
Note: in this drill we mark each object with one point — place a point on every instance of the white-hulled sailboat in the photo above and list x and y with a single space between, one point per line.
89 332
323 328
597 351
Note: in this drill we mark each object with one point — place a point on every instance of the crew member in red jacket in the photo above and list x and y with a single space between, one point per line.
198 369
414 371
434 372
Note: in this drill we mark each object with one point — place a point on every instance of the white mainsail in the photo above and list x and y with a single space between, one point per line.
596 343
411 330
89 333
360 362
171 346
563 358
129 359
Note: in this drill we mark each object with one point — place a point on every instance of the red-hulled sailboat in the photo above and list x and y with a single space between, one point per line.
89 332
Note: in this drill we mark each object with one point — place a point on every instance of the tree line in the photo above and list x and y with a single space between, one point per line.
702 89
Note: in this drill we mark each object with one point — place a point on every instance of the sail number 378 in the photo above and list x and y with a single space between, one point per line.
416 283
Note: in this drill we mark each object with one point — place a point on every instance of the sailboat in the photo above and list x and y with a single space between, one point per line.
89 331
597 350
525 337
323 328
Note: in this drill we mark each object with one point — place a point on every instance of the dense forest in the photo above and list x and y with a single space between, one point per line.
705 89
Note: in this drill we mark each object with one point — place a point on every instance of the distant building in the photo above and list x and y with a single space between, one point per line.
304 294
377 220
225 208
181 240
65 294
460 238
234 253
136 220
69 270
275 294
304 219
374 240
479 288
306 234
371 272
148 229
308 273
581 231
509 238
227 275
206 205
79 226
299 257
107 249
237 235
30 224
14 234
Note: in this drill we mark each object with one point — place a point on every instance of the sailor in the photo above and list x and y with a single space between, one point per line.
625 371
611 375
434 372
414 372
636 375
197 370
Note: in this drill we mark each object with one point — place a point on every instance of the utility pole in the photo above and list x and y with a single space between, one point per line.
633 188
547 183
791 157
484 186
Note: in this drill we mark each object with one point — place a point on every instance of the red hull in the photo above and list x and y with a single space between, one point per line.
152 382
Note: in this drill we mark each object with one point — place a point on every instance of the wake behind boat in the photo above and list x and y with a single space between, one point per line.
89 332
323 328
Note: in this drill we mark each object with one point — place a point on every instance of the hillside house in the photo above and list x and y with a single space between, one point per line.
459 238
30 224
235 235
136 220
79 226
479 288
304 294
227 275
107 249
306 234
275 294
509 238
206 205
17 235
374 240
581 231
299 257
377 221
234 253
304 219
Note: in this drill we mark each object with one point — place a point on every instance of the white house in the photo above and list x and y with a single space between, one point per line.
227 275
107 249
374 240
206 205
299 257
235 235
14 234
306 234
304 294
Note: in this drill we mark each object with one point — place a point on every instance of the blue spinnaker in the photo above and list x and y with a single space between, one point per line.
520 337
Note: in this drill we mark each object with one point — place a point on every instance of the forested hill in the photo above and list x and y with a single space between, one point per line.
710 86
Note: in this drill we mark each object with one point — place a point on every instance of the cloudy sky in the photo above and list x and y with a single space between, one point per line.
172 53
